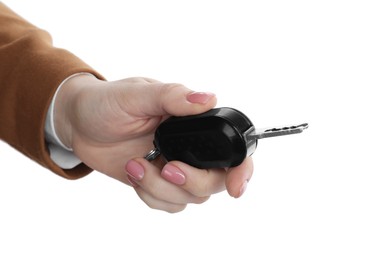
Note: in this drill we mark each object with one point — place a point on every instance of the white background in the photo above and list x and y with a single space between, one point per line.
280 62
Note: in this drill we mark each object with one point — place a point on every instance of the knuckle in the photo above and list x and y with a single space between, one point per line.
206 185
170 88
175 208
173 85
201 200
201 188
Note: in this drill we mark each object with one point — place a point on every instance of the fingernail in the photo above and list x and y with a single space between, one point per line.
243 188
135 170
199 97
173 174
132 181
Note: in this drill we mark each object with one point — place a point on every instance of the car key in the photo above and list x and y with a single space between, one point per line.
219 138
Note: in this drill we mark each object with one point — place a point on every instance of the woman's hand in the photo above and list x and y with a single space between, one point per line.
110 126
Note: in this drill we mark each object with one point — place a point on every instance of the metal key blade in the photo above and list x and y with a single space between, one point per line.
276 131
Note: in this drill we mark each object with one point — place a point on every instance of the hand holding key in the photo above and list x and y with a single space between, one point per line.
111 125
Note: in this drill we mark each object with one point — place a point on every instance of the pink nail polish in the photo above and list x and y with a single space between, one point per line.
135 170
173 174
132 181
199 97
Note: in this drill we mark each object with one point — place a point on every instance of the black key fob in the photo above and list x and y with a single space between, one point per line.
211 139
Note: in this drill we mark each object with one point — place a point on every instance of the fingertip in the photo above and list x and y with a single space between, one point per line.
132 182
178 100
250 168
134 170
200 97
173 174
242 189
238 178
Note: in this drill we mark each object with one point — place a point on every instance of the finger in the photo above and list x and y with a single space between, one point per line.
157 99
155 203
238 177
147 177
199 182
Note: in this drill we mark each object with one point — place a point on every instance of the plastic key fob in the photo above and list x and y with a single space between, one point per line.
218 138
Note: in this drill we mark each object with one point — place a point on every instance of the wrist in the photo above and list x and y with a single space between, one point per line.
65 105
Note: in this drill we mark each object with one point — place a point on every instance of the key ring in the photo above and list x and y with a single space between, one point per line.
152 155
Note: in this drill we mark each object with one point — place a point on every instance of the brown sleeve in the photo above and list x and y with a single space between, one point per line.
31 69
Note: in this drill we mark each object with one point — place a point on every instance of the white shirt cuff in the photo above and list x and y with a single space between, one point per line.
62 155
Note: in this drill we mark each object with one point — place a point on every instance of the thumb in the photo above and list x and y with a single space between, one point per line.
178 100
156 99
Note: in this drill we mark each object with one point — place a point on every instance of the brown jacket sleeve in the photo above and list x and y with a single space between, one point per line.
31 69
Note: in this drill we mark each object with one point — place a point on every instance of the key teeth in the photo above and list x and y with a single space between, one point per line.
303 126
277 131
300 127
